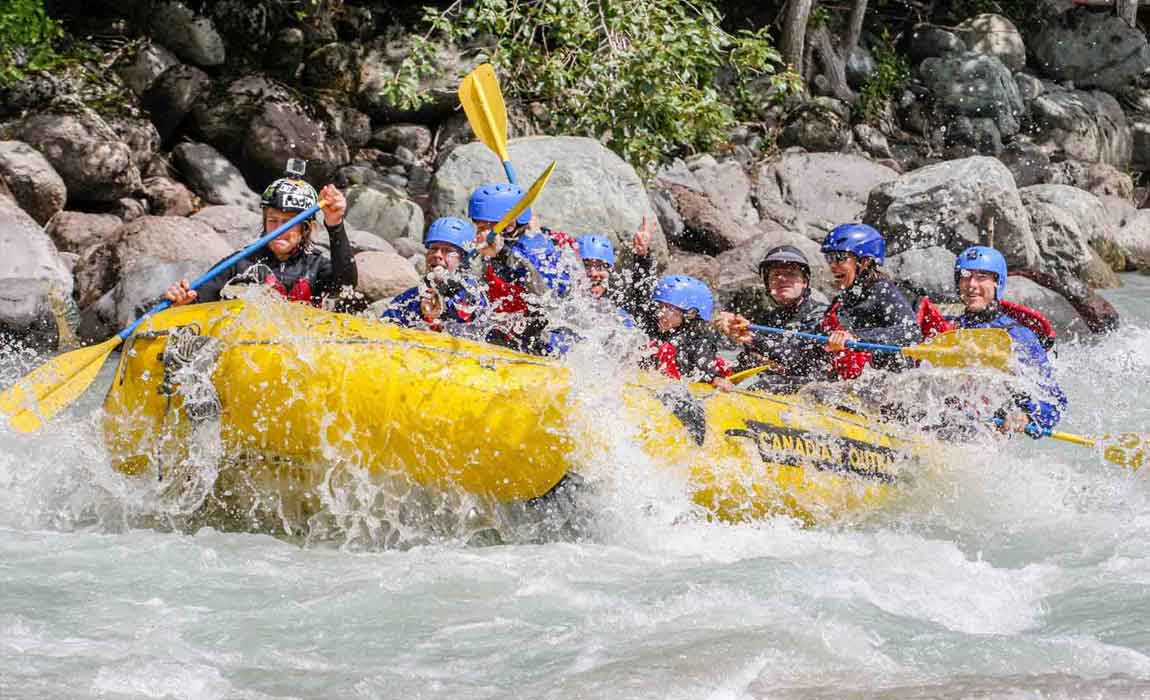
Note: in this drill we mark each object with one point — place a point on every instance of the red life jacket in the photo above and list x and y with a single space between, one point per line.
847 364
300 291
505 297
666 356
932 322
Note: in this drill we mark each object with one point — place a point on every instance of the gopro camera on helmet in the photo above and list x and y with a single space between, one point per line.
296 167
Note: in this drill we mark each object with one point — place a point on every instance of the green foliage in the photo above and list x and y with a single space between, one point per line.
891 73
642 75
28 38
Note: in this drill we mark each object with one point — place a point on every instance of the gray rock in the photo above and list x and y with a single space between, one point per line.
140 69
414 137
1134 238
1068 323
698 265
592 188
360 240
222 116
75 231
455 130
129 208
31 271
334 67
994 35
928 41
237 225
872 141
384 274
815 127
212 176
284 130
285 55
440 89
387 213
352 126
140 135
739 267
95 164
1029 87
978 87
1086 126
166 197
37 187
170 98
1097 178
1028 163
1092 49
150 240
668 217
953 205
1140 138
192 37
132 296
860 66
409 247
1064 220
930 271
812 193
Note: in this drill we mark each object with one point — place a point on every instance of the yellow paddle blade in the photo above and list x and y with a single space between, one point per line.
968 347
522 204
483 102
748 373
1129 450
53 385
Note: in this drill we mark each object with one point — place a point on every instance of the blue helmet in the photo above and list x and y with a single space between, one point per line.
859 239
452 230
491 202
592 246
685 292
983 259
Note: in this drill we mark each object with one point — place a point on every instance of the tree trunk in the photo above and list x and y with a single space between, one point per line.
1128 10
833 65
855 27
795 32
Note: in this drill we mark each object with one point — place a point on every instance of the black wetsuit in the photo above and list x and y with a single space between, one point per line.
305 272
878 312
794 357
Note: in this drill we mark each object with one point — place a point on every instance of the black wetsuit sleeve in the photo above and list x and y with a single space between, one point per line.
339 272
210 290
893 318
636 288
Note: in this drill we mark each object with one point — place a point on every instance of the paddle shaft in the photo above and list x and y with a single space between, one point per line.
225 263
852 344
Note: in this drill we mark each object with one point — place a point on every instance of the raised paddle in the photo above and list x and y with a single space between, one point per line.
49 388
483 102
526 200
968 347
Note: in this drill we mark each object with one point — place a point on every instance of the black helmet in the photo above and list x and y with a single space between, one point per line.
784 254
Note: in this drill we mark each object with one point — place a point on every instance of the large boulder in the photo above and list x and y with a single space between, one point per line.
166 197
31 275
414 137
976 101
1100 179
817 125
237 225
954 205
1068 323
994 35
75 231
221 114
713 201
592 188
1140 138
438 89
37 187
171 97
383 274
141 137
813 192
928 271
1134 238
1064 220
212 176
1086 126
928 41
95 164
283 130
140 69
739 277
385 212
192 37
1091 49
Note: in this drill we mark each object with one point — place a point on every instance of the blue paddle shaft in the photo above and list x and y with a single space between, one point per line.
225 264
507 168
852 344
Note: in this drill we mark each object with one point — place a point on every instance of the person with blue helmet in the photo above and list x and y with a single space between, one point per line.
448 299
597 254
980 276
685 345
524 271
869 307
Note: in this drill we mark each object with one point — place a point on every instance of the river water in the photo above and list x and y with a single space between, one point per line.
1023 571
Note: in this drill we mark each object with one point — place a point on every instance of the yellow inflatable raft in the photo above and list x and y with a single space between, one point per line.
294 392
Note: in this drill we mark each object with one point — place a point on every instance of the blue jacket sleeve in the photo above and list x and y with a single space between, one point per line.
1045 411
403 309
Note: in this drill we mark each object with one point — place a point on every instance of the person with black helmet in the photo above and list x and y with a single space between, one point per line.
289 263
787 276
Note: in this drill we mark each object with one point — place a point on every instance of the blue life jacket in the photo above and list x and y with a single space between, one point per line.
1032 356
461 307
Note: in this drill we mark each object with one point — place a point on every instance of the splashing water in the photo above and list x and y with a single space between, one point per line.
1020 570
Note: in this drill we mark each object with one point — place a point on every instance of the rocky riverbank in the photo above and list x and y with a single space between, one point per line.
140 164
